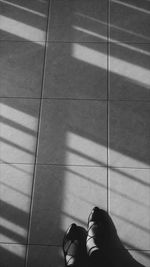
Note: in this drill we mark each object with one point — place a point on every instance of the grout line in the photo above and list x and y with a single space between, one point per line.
132 168
117 42
75 165
73 42
57 99
38 132
107 103
31 244
108 91
74 99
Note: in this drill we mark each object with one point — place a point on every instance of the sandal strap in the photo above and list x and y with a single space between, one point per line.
92 248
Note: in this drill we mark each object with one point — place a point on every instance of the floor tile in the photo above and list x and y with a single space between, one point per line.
46 256
129 200
23 21
21 69
15 196
142 257
12 255
73 133
129 20
129 66
78 20
18 130
76 71
62 197
129 134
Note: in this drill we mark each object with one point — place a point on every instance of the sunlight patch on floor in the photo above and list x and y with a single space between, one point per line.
17 137
18 117
18 250
22 30
14 198
17 155
12 227
84 151
113 41
135 73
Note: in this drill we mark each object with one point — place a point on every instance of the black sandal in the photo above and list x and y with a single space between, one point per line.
94 231
102 236
74 246
101 231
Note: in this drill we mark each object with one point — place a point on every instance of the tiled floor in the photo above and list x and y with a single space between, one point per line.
74 124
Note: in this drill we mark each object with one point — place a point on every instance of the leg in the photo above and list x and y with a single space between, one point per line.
103 244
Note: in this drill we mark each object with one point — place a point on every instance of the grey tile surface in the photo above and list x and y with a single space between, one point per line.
18 130
69 195
75 131
76 71
21 69
72 147
129 134
129 200
46 256
12 255
129 21
129 66
25 20
78 20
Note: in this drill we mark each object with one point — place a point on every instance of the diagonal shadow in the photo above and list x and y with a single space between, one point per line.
84 130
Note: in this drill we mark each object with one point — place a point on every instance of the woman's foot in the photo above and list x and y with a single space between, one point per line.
93 232
74 246
102 240
99 227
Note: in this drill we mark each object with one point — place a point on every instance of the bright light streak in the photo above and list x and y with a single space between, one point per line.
112 26
94 151
19 178
89 55
24 8
130 71
22 30
13 227
11 187
133 48
131 6
6 185
17 137
13 154
18 117
16 249
14 198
